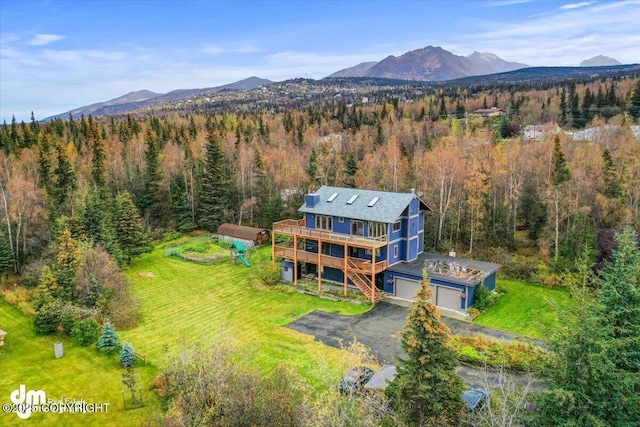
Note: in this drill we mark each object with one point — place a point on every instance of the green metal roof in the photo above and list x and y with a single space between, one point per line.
387 208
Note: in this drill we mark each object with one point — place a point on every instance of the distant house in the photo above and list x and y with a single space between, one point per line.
250 236
490 112
373 241
596 134
538 132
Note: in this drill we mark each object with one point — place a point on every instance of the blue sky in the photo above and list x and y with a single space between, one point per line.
60 55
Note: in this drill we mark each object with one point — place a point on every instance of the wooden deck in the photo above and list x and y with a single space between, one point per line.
292 227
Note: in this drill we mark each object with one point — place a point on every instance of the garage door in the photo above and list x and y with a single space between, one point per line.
407 289
448 298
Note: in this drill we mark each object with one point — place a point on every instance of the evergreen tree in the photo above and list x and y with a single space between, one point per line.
96 144
427 391
127 356
270 207
109 339
312 170
151 201
65 181
6 256
96 221
178 199
612 184
130 235
48 289
634 109
619 295
589 383
561 172
215 194
65 267
350 170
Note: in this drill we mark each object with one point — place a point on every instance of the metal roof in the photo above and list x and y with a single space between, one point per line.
415 267
387 208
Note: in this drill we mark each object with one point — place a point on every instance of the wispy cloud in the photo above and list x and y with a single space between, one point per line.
44 39
576 5
502 3
219 50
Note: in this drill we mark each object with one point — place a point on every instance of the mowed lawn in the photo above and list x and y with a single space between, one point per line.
526 309
183 301
82 373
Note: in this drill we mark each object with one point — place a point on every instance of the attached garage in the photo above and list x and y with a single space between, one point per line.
453 280
406 288
444 297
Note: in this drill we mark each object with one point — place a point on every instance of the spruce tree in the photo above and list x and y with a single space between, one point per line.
634 110
65 181
561 172
6 256
214 208
65 267
619 295
109 339
612 184
131 238
350 170
427 391
127 356
151 202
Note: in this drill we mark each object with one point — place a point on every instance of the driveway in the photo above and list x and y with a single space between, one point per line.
380 329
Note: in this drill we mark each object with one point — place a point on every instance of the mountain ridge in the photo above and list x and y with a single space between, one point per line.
431 63
145 98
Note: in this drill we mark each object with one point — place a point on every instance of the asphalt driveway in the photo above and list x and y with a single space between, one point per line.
379 329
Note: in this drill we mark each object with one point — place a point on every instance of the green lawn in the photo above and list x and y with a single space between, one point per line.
180 301
187 301
82 373
525 309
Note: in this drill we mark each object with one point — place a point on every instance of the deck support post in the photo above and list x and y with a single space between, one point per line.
319 266
373 275
273 249
295 260
346 279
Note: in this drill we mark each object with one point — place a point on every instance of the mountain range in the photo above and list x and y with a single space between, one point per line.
145 98
431 63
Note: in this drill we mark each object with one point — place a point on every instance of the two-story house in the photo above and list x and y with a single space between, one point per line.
372 240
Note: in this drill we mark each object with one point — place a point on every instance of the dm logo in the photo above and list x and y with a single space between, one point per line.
25 400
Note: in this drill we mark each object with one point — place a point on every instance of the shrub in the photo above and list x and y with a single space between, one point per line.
478 350
69 316
85 332
482 298
47 318
268 275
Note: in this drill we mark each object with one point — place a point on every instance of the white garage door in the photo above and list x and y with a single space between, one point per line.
448 298
407 289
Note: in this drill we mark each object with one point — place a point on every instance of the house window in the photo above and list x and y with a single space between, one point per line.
377 229
395 251
326 248
357 228
341 219
324 222
397 226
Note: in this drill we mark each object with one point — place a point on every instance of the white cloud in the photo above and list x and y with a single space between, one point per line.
218 50
576 5
44 39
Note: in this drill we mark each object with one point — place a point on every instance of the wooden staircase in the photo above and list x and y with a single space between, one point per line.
362 281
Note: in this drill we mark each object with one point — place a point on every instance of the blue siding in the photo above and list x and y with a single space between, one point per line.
414 246
331 274
490 282
310 220
342 228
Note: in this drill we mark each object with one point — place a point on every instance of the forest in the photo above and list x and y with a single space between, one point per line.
81 197
493 195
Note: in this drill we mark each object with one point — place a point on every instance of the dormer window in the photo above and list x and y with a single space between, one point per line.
352 199
332 198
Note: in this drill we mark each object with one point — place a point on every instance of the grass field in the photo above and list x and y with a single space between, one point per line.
525 309
180 301
82 373
186 301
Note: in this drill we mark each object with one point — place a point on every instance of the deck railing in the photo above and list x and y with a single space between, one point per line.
360 265
297 227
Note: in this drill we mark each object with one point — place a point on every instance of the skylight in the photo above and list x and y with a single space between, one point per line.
332 198
352 199
373 201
